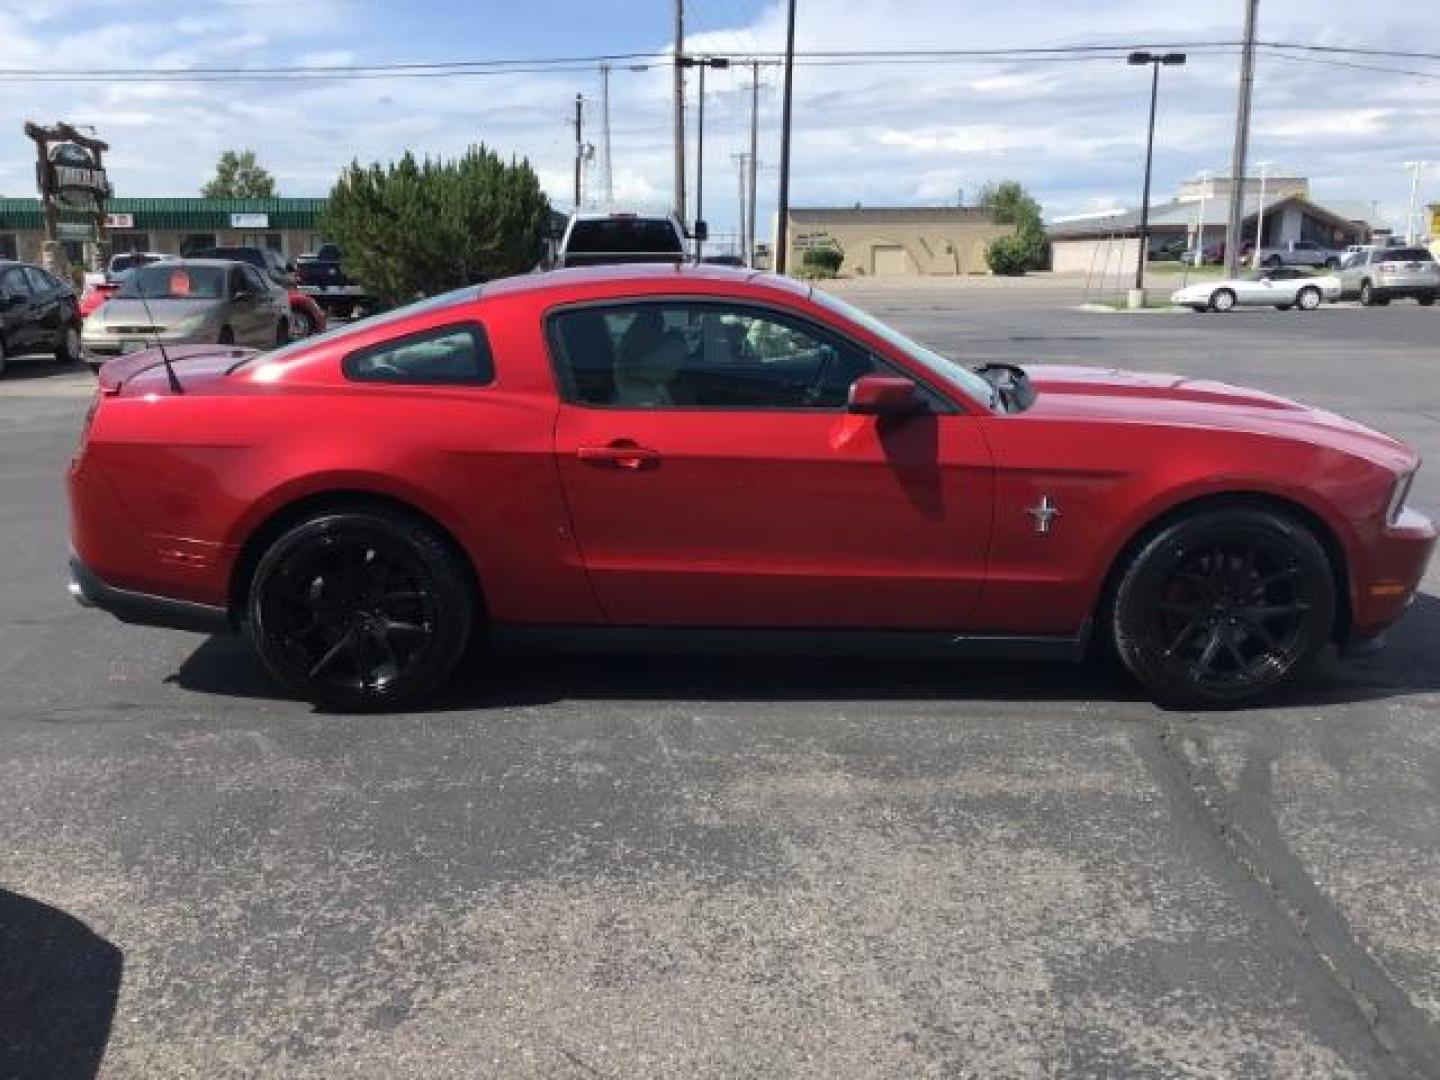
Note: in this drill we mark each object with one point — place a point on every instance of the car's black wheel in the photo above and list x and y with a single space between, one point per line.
1222 300
67 345
2 355
282 332
1367 294
1224 607
227 336
1274 261
361 610
1309 298
1426 300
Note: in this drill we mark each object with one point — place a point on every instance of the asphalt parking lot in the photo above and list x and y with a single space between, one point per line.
586 868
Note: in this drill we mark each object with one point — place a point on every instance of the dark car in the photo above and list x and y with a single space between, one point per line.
321 275
38 314
270 263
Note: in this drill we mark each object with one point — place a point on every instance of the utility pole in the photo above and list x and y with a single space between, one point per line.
1264 167
1414 167
741 162
607 173
782 246
1235 219
579 146
754 161
679 111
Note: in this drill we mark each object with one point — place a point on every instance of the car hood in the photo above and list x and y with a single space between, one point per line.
1115 396
118 311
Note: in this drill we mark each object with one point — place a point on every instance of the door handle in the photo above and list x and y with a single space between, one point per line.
621 454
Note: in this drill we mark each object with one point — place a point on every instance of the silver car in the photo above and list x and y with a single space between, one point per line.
1378 275
1283 287
185 302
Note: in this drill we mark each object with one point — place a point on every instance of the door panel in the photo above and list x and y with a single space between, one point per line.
798 519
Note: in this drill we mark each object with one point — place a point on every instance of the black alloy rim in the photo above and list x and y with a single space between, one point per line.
354 612
1233 614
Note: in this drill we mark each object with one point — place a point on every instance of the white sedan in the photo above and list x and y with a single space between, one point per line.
1282 287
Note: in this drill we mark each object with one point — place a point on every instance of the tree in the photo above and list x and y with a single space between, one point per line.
413 228
239 176
1011 204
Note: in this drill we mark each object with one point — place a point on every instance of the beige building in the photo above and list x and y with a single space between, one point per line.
905 241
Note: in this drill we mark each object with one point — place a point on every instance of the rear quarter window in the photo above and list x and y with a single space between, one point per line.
457 355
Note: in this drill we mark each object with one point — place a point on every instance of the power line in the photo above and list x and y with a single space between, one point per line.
1352 65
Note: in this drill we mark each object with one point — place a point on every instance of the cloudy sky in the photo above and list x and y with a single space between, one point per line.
902 134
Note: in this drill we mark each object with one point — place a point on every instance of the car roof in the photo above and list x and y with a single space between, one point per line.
647 276
181 263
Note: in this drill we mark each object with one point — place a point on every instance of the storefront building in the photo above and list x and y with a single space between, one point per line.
173 226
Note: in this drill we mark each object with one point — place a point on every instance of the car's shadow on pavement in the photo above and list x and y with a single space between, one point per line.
59 982
29 368
226 666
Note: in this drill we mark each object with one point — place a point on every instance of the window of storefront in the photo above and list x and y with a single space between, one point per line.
121 242
196 242
9 246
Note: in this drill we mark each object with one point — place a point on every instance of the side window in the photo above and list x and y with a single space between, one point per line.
448 354
701 356
38 282
12 283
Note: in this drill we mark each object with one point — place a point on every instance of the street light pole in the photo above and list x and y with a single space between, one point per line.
702 62
1260 210
782 245
1139 59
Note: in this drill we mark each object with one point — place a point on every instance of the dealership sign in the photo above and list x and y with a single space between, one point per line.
249 221
72 173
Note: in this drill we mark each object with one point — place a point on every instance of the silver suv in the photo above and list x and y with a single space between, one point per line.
1379 275
1298 253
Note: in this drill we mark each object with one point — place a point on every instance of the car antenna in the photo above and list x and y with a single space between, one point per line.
174 380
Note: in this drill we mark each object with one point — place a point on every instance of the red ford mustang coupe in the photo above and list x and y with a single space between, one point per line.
703 458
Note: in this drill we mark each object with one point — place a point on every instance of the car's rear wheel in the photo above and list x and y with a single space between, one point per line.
67 345
1309 298
1222 300
1367 294
227 336
282 332
1426 300
1224 607
361 610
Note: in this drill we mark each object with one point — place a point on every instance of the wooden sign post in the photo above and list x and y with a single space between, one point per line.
70 174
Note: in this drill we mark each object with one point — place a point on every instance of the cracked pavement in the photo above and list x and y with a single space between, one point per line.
590 867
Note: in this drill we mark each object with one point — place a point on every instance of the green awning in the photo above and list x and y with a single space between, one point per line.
183 215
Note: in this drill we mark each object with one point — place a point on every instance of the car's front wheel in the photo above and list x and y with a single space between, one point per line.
1222 300
361 610
1224 607
301 324
1309 298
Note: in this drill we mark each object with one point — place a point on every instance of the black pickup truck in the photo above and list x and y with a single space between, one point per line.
321 275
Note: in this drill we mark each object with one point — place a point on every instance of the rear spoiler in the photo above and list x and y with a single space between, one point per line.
115 373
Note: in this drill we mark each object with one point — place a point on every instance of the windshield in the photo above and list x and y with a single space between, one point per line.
245 255
951 371
607 236
166 282
468 294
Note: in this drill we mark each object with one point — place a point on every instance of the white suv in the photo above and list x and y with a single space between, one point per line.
1379 275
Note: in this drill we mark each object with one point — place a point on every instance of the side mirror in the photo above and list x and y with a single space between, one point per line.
883 395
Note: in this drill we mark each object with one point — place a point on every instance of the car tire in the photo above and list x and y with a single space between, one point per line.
1367 294
1309 298
227 336
1332 264
361 610
282 332
1222 300
1223 608
1426 300
1274 262
67 346
2 355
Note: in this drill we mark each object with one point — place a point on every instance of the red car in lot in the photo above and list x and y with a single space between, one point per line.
711 459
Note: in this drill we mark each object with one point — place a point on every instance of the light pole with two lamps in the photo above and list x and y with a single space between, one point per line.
1155 60
702 62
